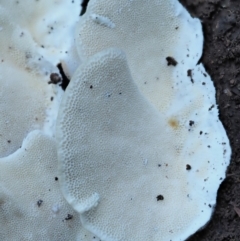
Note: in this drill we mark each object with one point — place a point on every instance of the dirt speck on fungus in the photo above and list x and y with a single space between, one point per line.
221 58
173 123
39 202
160 197
69 217
171 61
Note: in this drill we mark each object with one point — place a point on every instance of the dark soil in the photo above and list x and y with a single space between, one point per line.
221 58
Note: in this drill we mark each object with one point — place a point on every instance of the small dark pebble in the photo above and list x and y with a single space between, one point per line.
54 78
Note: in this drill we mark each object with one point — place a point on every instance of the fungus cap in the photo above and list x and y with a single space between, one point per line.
51 24
125 166
25 95
32 205
34 37
148 31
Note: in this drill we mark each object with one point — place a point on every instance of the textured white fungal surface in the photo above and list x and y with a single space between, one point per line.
139 151
114 144
52 24
32 205
35 36
25 95
148 31
35 170
149 147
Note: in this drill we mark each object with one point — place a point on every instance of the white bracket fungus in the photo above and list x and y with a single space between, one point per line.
154 153
51 24
27 206
155 178
32 205
34 37
32 43
148 31
140 146
25 96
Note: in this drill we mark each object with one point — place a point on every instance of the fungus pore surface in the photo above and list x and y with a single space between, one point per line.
130 171
34 37
33 208
52 24
141 155
148 31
